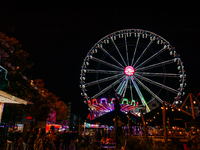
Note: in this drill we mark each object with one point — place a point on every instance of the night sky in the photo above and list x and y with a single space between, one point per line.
58 35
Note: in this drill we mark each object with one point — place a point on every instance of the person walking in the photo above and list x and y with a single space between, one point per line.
32 138
43 142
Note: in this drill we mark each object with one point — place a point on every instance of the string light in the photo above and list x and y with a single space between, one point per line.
194 102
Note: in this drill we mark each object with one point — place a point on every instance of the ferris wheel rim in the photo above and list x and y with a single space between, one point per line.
136 77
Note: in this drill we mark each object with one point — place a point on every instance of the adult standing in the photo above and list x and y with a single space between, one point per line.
61 137
54 137
66 141
19 141
26 139
32 138
43 142
10 140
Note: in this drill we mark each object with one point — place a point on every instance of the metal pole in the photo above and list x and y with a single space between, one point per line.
164 123
144 124
129 131
192 105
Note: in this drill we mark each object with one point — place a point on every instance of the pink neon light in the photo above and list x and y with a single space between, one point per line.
129 71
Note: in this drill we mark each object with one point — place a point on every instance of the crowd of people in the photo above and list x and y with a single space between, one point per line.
38 139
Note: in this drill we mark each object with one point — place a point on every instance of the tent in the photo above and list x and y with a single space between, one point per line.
174 117
108 119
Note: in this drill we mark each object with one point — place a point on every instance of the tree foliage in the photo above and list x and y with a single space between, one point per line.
14 59
61 110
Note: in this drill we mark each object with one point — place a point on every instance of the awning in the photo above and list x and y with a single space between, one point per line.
107 119
7 98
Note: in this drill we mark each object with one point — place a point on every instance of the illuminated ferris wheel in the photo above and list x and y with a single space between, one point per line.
140 65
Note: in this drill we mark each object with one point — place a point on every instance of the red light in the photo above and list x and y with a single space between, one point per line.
28 117
129 71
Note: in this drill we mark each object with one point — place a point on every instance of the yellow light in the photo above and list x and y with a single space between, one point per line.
161 107
186 107
178 109
194 102
166 108
154 117
158 113
172 109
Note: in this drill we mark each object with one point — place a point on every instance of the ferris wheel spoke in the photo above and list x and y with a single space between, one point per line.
103 80
107 88
135 49
140 95
152 57
111 56
157 84
156 65
106 63
126 51
159 74
125 87
131 89
119 86
102 71
122 84
118 51
143 52
147 89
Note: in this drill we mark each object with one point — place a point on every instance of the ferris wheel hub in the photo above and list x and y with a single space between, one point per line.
129 70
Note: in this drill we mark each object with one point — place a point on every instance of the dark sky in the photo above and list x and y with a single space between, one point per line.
58 35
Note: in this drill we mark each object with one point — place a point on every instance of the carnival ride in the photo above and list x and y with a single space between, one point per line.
139 65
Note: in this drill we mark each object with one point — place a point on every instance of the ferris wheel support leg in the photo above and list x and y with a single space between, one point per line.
140 95
124 91
122 87
146 88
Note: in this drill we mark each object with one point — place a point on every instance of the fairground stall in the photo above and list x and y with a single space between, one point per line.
7 98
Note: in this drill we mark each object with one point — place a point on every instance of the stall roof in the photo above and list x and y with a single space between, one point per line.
7 98
107 119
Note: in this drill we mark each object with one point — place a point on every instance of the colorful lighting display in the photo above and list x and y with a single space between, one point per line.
129 70
103 105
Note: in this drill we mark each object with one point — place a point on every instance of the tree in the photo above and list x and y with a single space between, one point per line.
61 110
12 57
14 60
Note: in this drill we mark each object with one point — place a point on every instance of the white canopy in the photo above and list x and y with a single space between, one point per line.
7 98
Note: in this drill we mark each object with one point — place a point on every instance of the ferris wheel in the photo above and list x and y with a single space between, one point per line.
140 65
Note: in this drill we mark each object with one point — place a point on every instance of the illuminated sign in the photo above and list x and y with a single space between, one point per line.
129 71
